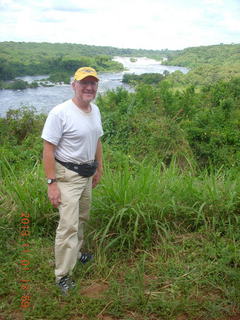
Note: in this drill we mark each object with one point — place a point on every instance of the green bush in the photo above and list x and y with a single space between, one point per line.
20 139
19 123
60 77
158 123
147 78
17 85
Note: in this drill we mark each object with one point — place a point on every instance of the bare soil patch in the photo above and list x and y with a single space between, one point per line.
95 290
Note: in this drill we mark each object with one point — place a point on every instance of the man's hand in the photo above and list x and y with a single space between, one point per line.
54 194
97 177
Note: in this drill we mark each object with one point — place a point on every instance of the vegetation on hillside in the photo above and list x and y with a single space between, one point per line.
223 54
20 58
207 64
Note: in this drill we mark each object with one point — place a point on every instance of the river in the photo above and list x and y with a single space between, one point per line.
45 98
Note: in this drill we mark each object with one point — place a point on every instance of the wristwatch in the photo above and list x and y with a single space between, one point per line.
50 181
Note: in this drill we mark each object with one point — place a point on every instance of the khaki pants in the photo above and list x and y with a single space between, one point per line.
76 193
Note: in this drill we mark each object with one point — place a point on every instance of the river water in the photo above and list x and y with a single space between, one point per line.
45 98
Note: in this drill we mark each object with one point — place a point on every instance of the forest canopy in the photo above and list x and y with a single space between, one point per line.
207 64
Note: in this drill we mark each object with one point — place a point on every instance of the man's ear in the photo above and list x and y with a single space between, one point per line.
74 84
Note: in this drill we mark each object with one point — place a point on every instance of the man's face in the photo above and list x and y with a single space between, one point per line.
86 89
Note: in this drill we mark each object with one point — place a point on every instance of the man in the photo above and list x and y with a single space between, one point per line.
72 158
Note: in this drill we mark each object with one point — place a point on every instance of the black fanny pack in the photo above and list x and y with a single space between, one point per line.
83 169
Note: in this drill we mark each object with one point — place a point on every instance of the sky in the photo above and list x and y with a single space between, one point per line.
146 24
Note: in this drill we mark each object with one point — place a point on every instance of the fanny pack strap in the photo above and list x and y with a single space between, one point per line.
84 169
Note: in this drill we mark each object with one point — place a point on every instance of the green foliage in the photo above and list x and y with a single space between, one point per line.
20 123
164 224
213 131
142 119
212 55
147 78
18 59
17 85
133 59
7 70
201 125
190 275
60 77
190 126
170 237
25 190
20 137
208 64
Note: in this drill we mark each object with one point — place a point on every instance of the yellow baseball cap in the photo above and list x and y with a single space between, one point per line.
84 72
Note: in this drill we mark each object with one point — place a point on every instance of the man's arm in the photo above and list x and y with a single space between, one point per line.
99 171
50 172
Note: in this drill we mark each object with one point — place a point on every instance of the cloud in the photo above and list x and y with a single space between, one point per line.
151 24
46 19
9 6
71 9
214 2
68 6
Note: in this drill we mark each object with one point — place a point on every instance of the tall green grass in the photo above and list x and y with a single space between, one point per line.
167 244
26 191
133 207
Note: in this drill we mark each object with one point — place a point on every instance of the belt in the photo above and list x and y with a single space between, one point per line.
86 169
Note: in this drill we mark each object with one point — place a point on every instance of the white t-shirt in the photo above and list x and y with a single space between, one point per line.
74 132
